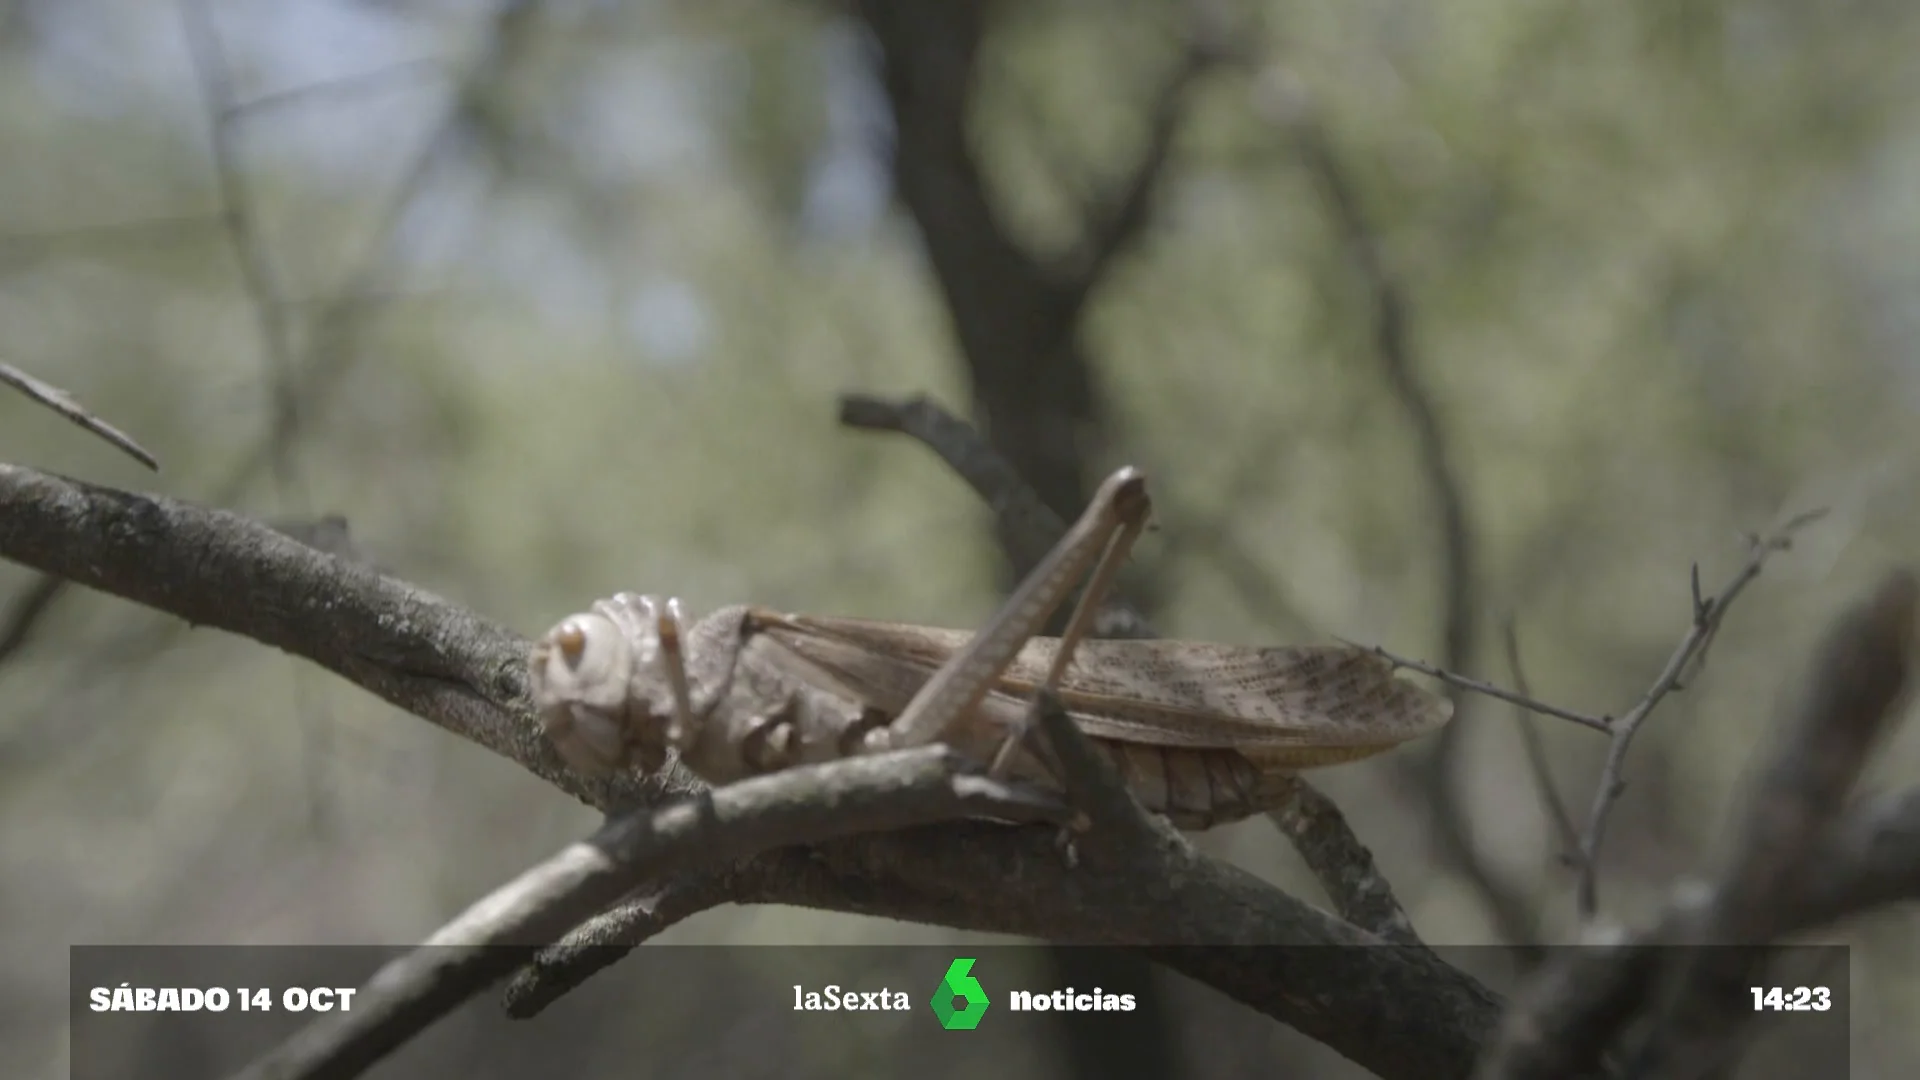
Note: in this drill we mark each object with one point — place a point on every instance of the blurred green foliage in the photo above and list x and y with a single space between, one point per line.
1661 258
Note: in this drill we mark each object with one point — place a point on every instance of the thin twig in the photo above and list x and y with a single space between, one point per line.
1708 612
1557 811
63 403
93 239
1531 704
342 88
261 284
24 613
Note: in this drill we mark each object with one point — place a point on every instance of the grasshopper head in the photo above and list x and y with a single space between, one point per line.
580 674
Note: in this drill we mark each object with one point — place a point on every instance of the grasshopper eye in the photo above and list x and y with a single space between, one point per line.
585 650
580 670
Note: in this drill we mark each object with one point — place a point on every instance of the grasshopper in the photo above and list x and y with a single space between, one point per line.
1202 733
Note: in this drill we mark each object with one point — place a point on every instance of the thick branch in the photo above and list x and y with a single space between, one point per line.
791 807
220 569
1859 679
608 937
1374 1004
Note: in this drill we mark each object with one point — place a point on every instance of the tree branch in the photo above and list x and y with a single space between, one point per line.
1572 1008
221 569
257 278
468 675
1708 614
1537 764
608 937
1016 321
494 936
1028 526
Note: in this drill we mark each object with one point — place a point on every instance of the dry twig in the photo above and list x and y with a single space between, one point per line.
1524 701
1708 612
63 403
1537 763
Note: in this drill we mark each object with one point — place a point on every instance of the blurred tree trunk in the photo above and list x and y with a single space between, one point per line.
1036 395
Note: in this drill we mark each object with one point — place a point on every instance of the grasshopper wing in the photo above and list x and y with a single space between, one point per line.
1301 704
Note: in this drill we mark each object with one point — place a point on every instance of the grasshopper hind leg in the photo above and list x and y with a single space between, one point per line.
865 733
1112 556
1098 541
770 743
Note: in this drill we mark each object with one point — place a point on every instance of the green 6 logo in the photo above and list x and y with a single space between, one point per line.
959 984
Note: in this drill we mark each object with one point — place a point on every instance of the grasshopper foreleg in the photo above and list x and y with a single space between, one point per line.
664 620
766 740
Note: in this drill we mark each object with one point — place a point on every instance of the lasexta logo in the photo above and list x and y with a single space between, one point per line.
959 984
